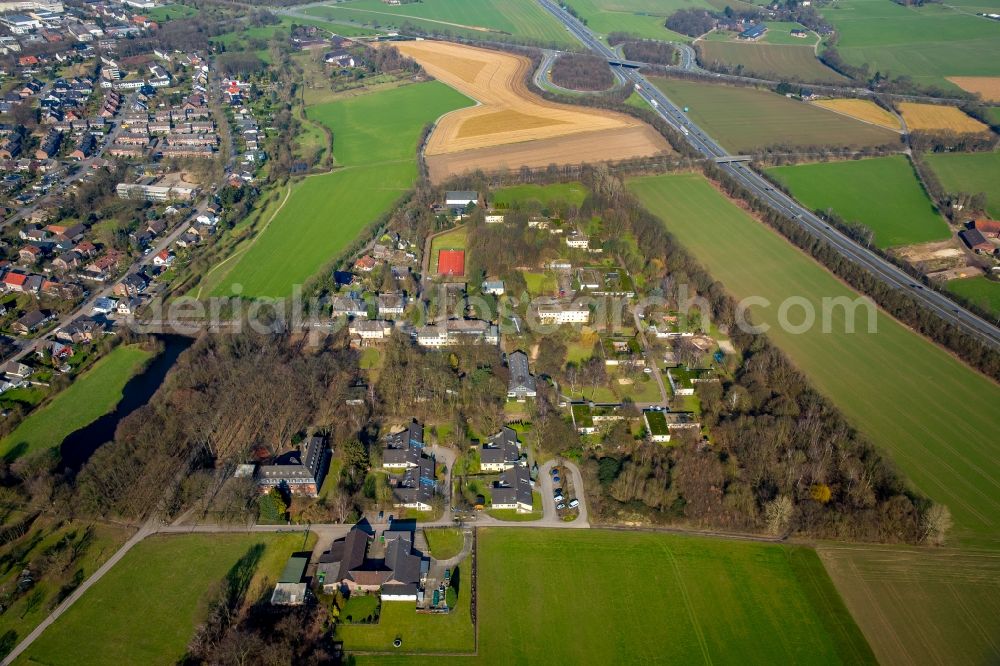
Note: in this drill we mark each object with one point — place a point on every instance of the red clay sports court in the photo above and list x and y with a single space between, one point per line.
451 262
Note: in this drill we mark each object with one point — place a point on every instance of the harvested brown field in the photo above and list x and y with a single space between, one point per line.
512 127
862 109
574 149
936 117
933 257
987 87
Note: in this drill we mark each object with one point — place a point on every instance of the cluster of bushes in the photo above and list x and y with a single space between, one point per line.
582 72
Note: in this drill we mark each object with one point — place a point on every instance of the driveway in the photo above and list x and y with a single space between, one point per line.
546 487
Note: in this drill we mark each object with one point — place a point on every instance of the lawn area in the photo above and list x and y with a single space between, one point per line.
85 546
796 61
898 212
375 139
444 542
169 12
504 20
557 193
970 172
980 290
455 239
927 43
545 596
452 632
540 283
91 395
920 605
146 608
899 389
742 119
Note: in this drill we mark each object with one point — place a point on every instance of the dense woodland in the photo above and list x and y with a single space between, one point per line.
582 72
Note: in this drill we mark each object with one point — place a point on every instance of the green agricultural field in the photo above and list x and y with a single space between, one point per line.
546 195
642 18
450 240
898 211
791 61
972 173
375 140
921 605
980 290
742 119
926 43
900 390
520 20
145 610
92 395
993 113
545 596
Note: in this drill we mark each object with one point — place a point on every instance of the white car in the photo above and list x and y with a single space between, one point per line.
558 498
573 503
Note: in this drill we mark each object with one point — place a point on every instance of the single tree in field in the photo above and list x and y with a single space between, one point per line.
936 523
779 514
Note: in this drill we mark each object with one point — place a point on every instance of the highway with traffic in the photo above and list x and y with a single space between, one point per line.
884 270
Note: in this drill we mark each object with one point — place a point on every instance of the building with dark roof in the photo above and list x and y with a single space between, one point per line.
403 449
500 452
976 241
398 575
513 490
301 471
754 33
521 384
416 488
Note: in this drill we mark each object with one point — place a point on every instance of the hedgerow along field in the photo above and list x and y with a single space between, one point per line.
546 596
522 20
898 211
145 610
743 119
92 395
928 606
927 43
980 290
375 143
775 61
970 172
896 387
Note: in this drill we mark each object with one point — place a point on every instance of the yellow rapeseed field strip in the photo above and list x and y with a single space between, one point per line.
862 109
940 118
987 87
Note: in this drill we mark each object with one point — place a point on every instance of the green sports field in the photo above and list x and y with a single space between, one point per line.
972 173
898 211
608 597
145 610
742 119
375 141
521 20
927 43
570 193
771 61
455 239
936 418
920 606
980 290
92 395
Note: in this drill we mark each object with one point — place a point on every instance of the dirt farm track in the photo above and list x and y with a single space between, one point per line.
512 127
